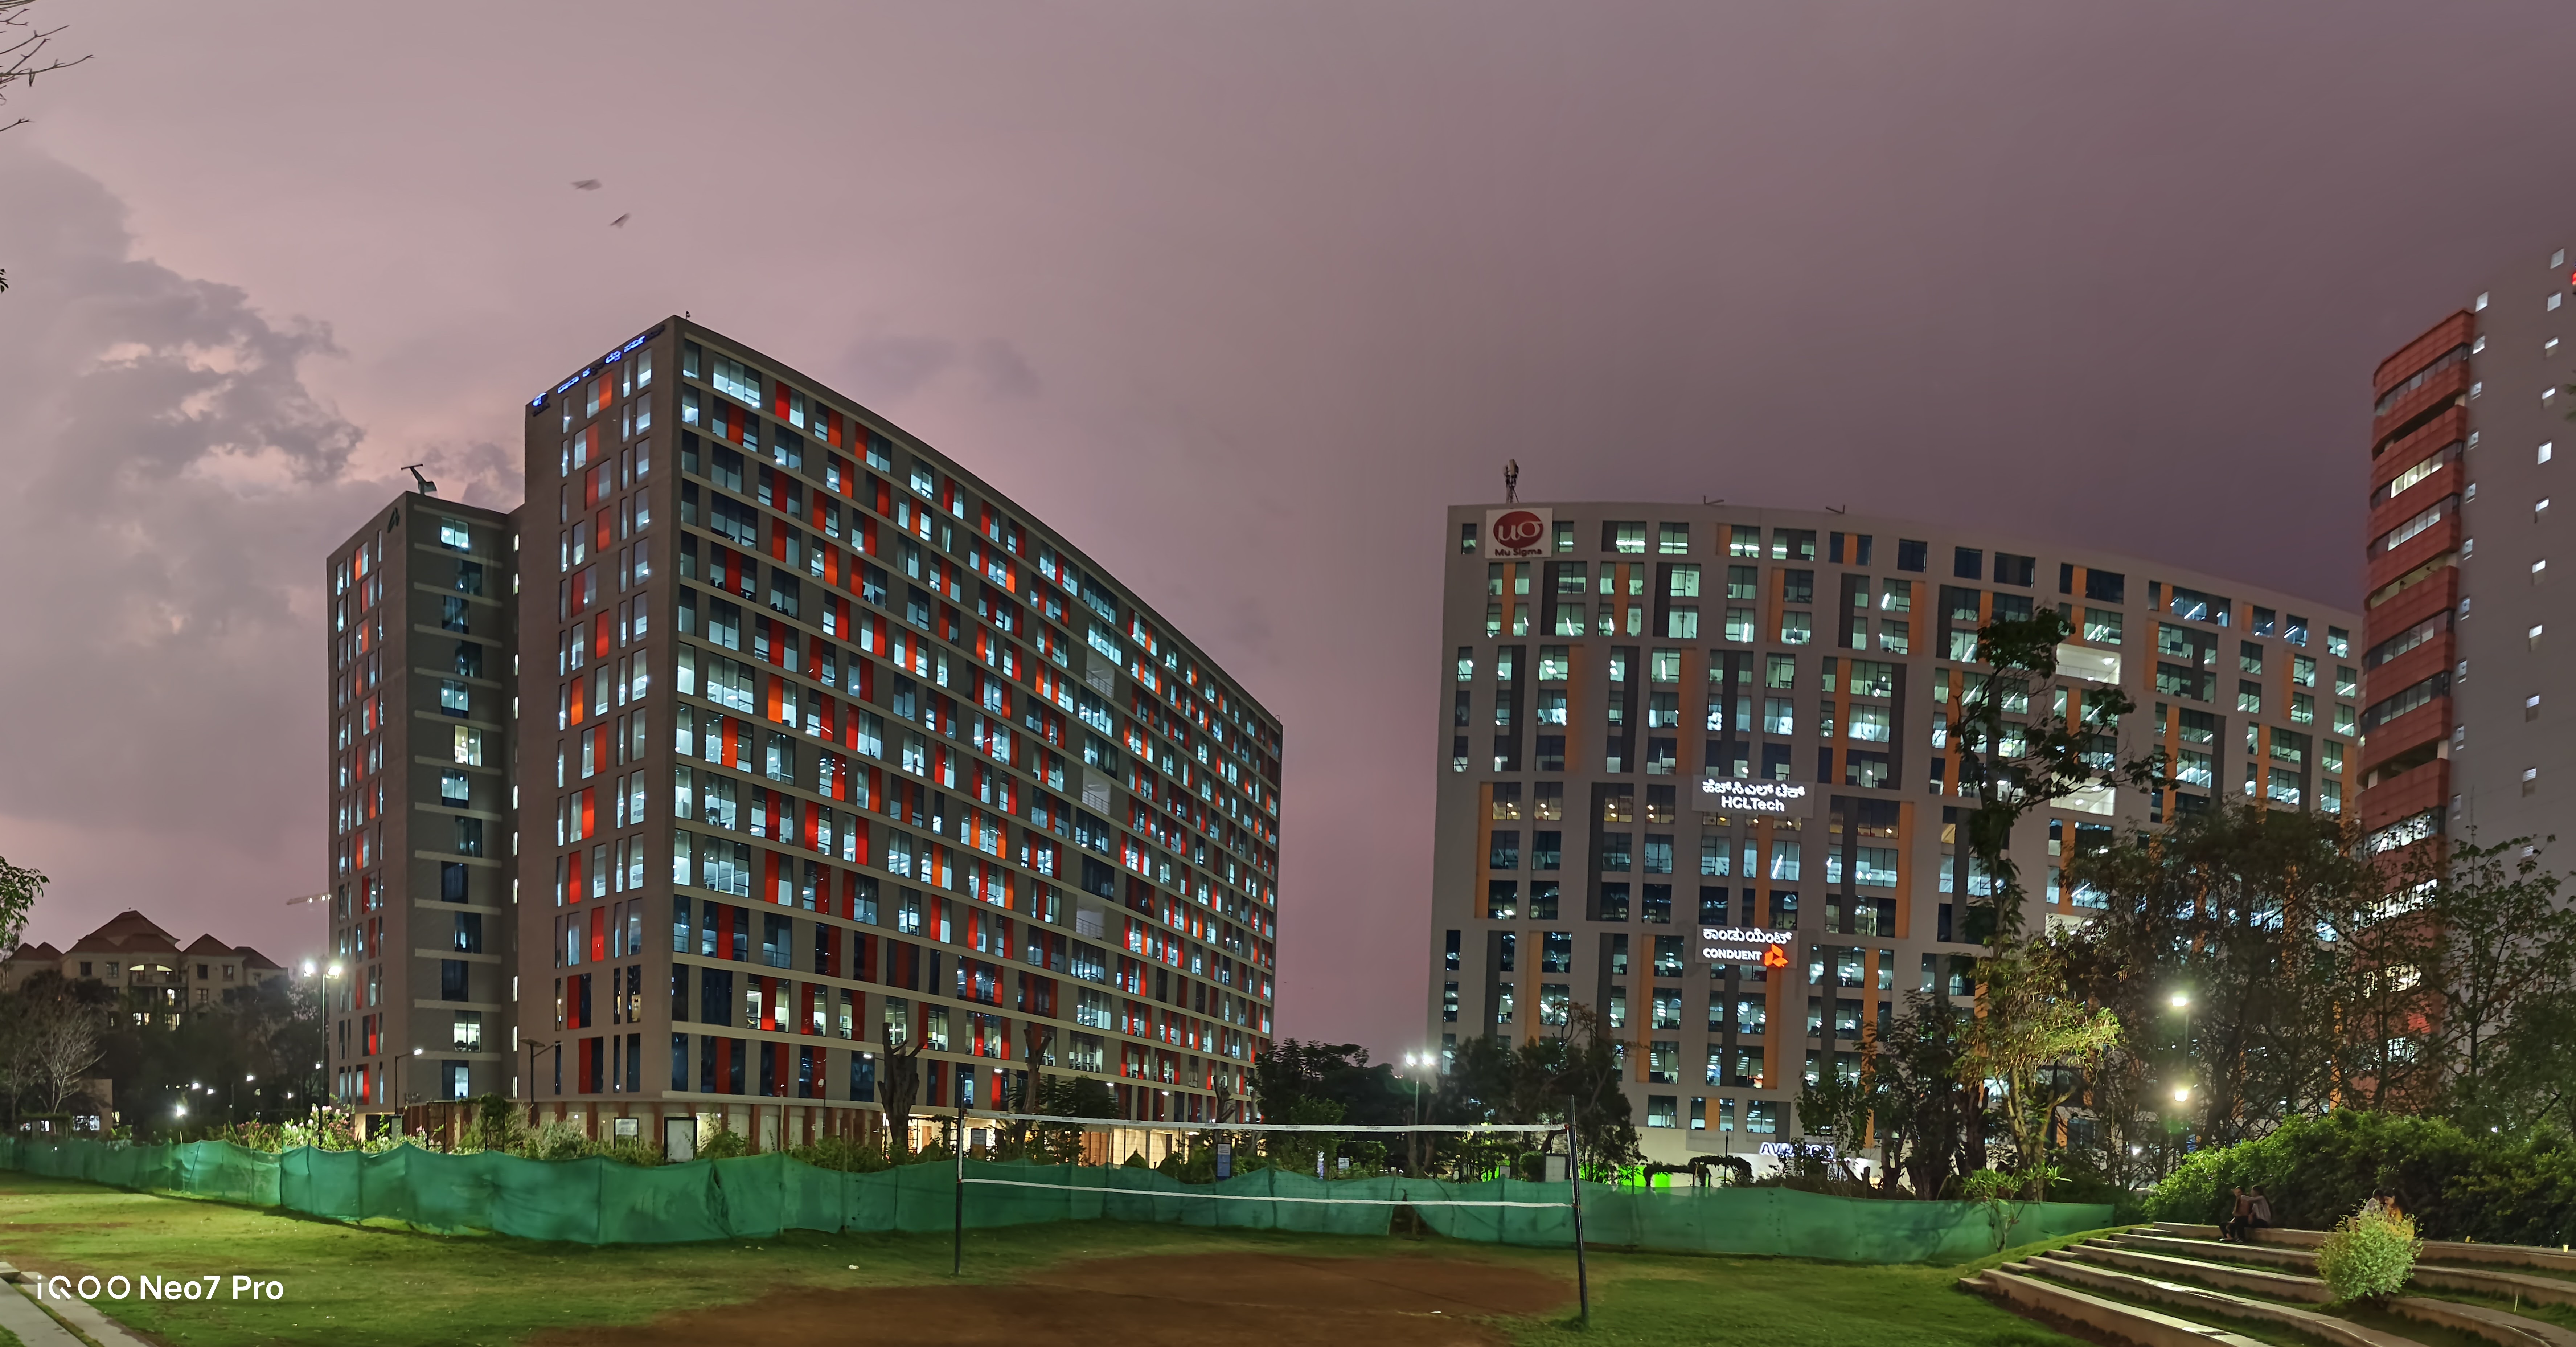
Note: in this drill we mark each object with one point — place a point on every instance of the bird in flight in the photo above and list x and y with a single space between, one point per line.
586 185
620 221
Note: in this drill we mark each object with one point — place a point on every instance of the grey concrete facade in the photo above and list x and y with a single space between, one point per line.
421 677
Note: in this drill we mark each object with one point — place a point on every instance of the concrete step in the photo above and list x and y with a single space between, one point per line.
2435 1250
2494 1285
2496 1326
2326 1327
2050 1302
2429 1276
2268 1255
2229 1276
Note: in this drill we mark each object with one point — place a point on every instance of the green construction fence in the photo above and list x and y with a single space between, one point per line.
601 1201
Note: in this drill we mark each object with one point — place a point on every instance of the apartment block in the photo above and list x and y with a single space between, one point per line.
792 742
1697 774
2467 722
423 806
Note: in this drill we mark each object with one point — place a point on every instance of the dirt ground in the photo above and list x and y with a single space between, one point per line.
1184 1301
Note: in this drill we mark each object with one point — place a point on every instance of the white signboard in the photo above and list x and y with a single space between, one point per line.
1743 944
1728 795
1517 532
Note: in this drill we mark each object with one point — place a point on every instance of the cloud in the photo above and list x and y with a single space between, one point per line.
175 488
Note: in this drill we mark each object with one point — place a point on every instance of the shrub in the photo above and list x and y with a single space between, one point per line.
843 1154
723 1144
2318 1168
2368 1255
557 1140
1996 1192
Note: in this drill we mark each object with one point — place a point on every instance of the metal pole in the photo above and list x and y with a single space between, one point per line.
1574 1193
957 1261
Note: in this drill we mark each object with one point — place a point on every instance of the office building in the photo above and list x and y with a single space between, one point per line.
819 746
2468 728
422 804
1680 738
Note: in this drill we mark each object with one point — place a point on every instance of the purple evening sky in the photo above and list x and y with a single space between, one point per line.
1238 296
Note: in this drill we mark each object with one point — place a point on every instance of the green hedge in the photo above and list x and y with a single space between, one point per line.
2496 1189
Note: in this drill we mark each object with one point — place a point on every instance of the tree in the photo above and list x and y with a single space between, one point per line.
899 1085
1338 1072
1838 1110
56 1029
2498 939
20 887
1059 1097
1582 1066
2533 1075
1927 1111
2026 1028
2026 1037
1492 1081
2014 767
23 48
2226 908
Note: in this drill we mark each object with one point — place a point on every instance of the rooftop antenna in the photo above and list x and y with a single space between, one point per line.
1836 509
1712 500
1511 481
427 487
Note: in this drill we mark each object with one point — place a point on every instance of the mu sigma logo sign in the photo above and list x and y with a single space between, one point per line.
1517 532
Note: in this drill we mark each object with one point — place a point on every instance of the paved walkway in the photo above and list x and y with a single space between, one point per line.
20 1314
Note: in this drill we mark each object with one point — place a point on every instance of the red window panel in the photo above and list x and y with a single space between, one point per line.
599 935
589 813
599 636
777 692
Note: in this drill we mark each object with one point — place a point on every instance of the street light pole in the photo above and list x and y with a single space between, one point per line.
2181 1001
322 1020
1413 1065
534 1047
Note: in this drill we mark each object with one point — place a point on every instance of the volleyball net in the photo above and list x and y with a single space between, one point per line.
1509 1180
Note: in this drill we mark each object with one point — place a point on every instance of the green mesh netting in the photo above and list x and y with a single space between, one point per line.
598 1201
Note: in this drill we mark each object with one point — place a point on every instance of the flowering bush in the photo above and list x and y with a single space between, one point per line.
2368 1255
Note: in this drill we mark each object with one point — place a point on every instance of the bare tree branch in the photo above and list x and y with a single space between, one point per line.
24 51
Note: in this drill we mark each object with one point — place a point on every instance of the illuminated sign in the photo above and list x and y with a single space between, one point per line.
1744 944
1752 797
538 403
1518 532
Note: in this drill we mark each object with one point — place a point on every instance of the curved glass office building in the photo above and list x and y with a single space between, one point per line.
1686 742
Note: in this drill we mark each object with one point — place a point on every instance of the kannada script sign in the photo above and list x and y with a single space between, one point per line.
1728 795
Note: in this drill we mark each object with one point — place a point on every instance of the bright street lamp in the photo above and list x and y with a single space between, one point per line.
1415 1063
2181 999
2182 1094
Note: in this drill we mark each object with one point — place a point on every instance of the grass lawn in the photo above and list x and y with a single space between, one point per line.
358 1287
